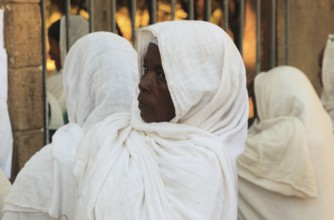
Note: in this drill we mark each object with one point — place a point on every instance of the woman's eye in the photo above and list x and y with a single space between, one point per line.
145 68
161 75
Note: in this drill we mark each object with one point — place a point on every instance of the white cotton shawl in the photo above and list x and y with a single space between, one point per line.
129 169
327 95
100 78
286 170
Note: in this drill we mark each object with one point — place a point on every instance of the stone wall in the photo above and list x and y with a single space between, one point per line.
22 29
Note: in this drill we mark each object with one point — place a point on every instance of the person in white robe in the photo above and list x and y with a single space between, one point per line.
327 77
174 156
286 170
100 79
78 27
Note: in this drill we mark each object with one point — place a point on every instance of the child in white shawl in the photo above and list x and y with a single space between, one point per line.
100 79
176 162
286 171
327 77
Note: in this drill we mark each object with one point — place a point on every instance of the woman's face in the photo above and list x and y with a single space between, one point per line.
54 52
155 102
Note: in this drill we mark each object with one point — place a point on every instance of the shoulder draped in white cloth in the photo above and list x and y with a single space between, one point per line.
100 79
327 95
182 169
286 170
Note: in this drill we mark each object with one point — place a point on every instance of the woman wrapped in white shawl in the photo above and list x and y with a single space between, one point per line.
327 77
100 79
174 156
286 170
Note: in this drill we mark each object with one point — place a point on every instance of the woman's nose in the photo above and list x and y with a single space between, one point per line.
146 81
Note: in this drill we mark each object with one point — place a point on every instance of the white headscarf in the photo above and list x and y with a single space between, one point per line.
327 95
100 78
286 171
129 169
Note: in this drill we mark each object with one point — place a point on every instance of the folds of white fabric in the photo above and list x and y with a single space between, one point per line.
327 95
46 184
286 171
56 119
281 165
124 174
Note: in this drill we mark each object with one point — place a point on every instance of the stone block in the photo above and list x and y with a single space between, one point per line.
25 98
23 34
26 144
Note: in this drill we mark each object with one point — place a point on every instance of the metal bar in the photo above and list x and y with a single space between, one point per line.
258 37
172 10
153 11
273 35
207 8
242 18
67 22
133 20
112 15
191 10
91 16
225 3
45 111
286 32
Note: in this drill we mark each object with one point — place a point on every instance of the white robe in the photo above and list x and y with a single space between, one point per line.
286 171
100 79
327 95
182 169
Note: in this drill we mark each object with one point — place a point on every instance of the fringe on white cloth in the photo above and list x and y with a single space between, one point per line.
129 169
286 171
100 79
327 95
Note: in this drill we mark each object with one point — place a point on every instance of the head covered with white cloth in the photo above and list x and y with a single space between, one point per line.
100 79
286 170
139 167
327 77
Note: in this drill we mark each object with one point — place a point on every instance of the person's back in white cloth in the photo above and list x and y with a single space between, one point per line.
100 79
174 156
286 170
327 77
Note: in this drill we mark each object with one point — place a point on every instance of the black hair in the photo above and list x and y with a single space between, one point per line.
54 31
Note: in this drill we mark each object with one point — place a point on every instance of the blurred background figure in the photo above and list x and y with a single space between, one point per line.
57 52
326 76
286 170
